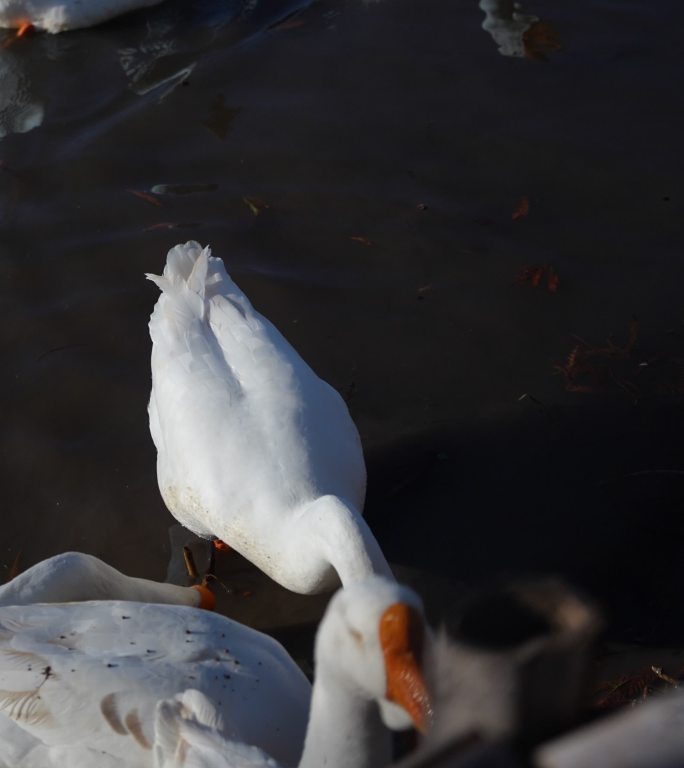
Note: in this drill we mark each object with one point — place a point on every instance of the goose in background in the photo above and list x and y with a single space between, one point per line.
253 448
62 15
89 684
75 577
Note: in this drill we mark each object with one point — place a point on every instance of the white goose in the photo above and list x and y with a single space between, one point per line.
252 447
75 576
62 15
90 684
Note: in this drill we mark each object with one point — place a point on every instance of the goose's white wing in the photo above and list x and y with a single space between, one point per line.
89 676
189 735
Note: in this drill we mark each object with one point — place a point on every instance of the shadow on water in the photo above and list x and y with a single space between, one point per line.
534 494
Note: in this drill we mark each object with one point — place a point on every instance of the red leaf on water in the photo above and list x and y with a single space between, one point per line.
531 274
522 208
540 40
553 281
146 196
361 239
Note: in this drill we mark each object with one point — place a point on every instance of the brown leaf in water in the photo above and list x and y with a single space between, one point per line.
540 40
146 196
255 204
361 239
531 274
521 209
553 281
221 117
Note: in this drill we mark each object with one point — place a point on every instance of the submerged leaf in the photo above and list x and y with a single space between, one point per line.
521 209
255 204
361 239
146 196
540 40
221 117
531 274
553 281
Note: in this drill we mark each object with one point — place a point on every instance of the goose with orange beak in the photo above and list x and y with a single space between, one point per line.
73 577
369 678
369 674
155 686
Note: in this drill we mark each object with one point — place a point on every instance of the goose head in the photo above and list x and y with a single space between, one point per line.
371 643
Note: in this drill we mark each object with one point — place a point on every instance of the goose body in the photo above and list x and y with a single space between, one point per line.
75 576
90 684
252 447
81 681
63 15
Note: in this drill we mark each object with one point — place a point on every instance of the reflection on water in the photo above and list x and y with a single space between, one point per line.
161 53
516 33
506 23
19 110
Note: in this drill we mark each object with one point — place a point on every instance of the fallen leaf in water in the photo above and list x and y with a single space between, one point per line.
361 239
533 274
146 197
255 204
521 209
530 274
540 40
553 281
221 117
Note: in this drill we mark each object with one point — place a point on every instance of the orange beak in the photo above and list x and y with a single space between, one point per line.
207 599
401 640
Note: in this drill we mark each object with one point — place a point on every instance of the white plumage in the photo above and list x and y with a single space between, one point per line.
63 15
90 684
253 448
81 682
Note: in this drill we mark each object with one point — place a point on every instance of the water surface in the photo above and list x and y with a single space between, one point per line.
358 166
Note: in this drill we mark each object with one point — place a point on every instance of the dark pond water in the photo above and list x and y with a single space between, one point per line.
386 181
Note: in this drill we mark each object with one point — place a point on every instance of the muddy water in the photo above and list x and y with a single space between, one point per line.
408 175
